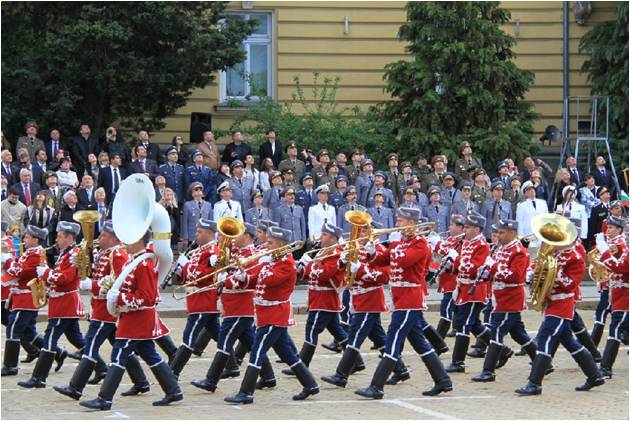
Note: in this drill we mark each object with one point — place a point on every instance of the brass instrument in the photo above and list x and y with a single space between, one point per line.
358 219
88 220
107 285
596 270
38 285
229 228
554 232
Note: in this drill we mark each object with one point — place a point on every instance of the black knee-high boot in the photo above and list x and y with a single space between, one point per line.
489 364
11 357
79 379
593 376
400 373
596 333
137 376
31 347
181 358
375 389
609 357
306 355
239 352
306 379
442 382
459 355
248 386
443 327
168 383
167 345
100 371
585 339
340 378
106 395
267 376
232 368
203 339
214 373
435 339
534 385
40 372
530 350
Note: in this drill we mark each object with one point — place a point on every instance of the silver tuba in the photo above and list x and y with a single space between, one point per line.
133 212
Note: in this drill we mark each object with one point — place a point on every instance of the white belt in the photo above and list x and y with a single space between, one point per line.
466 281
403 284
262 302
318 288
503 285
617 284
237 291
10 283
361 290
558 297
20 291
57 294
195 289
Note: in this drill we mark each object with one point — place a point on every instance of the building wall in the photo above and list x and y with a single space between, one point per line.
309 36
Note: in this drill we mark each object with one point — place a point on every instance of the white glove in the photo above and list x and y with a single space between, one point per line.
433 240
344 257
213 260
394 236
354 267
112 295
452 254
600 243
489 261
182 260
529 276
240 276
85 283
6 256
265 259
305 259
40 270
370 248
221 277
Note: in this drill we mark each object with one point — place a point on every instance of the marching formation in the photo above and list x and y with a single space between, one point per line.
237 279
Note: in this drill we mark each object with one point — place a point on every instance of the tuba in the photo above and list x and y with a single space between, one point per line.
38 285
133 212
358 219
88 220
229 228
554 232
596 270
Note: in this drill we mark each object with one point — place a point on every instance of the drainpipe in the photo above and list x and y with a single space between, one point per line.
565 64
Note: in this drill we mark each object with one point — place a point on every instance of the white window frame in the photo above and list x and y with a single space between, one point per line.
260 40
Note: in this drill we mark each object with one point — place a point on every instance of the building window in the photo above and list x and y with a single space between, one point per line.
252 78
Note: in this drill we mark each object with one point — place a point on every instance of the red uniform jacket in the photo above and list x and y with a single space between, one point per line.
367 292
239 302
579 247
617 264
324 278
508 277
571 269
472 256
137 300
274 284
198 266
19 272
7 243
448 280
63 292
101 268
408 265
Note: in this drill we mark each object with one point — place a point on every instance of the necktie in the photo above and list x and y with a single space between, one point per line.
27 195
378 210
371 179
116 180
142 165
259 213
228 203
54 193
534 204
437 209
604 171
325 208
199 169
279 194
352 207
40 222
291 210
494 209
100 221
54 148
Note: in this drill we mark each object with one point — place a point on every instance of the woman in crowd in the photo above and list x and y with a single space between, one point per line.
94 167
182 152
267 167
224 173
251 171
39 213
169 201
563 179
539 185
67 178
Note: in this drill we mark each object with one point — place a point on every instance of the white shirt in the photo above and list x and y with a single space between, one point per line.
223 208
68 179
525 212
317 216
578 211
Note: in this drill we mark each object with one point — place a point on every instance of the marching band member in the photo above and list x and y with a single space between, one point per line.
614 255
65 307
471 292
558 311
408 259
324 279
8 252
508 269
274 314
202 307
107 263
138 326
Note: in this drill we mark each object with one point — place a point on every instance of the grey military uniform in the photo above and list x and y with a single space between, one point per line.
449 196
438 214
272 198
341 212
480 194
462 207
242 191
384 216
291 218
364 185
492 213
253 215
191 214
388 196
297 166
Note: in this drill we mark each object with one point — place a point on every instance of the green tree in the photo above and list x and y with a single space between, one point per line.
459 84
133 63
607 46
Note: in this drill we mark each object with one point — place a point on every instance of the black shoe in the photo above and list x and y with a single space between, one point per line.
306 379
11 357
98 404
60 357
288 371
76 355
359 365
79 379
30 357
169 399
534 385
98 376
395 378
593 376
168 382
529 390
591 383
451 334
456 368
476 353
267 378
442 382
205 385
375 389
484 377
9 371
240 398
336 379
248 385
40 372
232 369
333 346
265 384
68 391
606 373
137 389
371 392
490 363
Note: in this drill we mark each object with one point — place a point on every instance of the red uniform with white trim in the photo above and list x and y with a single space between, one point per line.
63 287
472 256
239 302
274 284
408 262
19 272
101 271
198 266
571 269
7 244
579 247
367 294
448 280
508 277
617 264
324 279
137 300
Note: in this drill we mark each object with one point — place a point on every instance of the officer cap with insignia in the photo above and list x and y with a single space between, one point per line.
410 190
257 193
36 232
287 171
475 219
274 173
306 176
236 163
478 172
223 186
170 150
601 191
505 224
108 226
409 213
195 185
332 229
196 153
497 185
322 189
433 190
616 221
380 174
366 161
437 158
392 156
290 145
279 233
207 224
458 219
69 227
527 185
448 175
288 190
502 164
350 190
379 193
250 229
405 164
339 178
355 151
514 177
466 184
323 152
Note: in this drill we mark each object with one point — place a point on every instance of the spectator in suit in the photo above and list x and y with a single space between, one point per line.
351 204
115 143
160 188
588 194
272 198
81 147
169 202
292 161
143 164
25 162
200 172
291 216
39 213
182 152
30 142
496 208
55 164
93 166
12 210
27 188
152 149
436 212
86 194
237 149
320 214
5 187
191 213
382 214
528 209
173 173
242 187
465 204
576 175
55 195
603 176
226 206
41 161
270 149
7 168
100 205
70 206
111 176
67 178
258 212
54 144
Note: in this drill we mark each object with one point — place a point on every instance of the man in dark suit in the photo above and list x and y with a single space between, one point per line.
7 168
270 149
143 165
237 149
53 145
153 150
599 214
603 176
25 162
81 147
86 194
576 175
173 173
110 177
70 206
28 189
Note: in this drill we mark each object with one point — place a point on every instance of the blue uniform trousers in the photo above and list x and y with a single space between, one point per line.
319 320
503 323
57 327
345 312
21 323
233 329
196 322
97 334
406 324
276 337
552 330
603 308
447 306
366 325
467 319
5 313
145 348
618 324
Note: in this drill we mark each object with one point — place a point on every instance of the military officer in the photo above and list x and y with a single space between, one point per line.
319 170
338 198
200 172
449 194
272 198
307 196
365 181
411 198
465 204
320 214
173 173
466 161
379 187
353 170
395 181
194 210
290 216
436 177
242 187
514 194
435 211
496 208
350 205
258 211
480 191
381 214
226 206
292 161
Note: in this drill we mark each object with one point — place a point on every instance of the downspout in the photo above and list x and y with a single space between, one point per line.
565 65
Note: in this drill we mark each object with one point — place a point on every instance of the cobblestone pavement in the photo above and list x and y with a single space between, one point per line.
468 400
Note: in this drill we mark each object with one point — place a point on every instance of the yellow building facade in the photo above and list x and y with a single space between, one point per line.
355 40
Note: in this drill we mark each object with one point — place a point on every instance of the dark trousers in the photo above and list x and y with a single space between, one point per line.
618 324
57 327
276 337
145 348
487 312
552 330
5 313
317 321
603 308
467 319
97 334
447 305
503 323
196 322
406 324
577 324
345 312
21 325
366 325
233 329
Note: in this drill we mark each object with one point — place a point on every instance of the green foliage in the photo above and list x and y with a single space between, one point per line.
460 84
133 63
314 120
607 46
